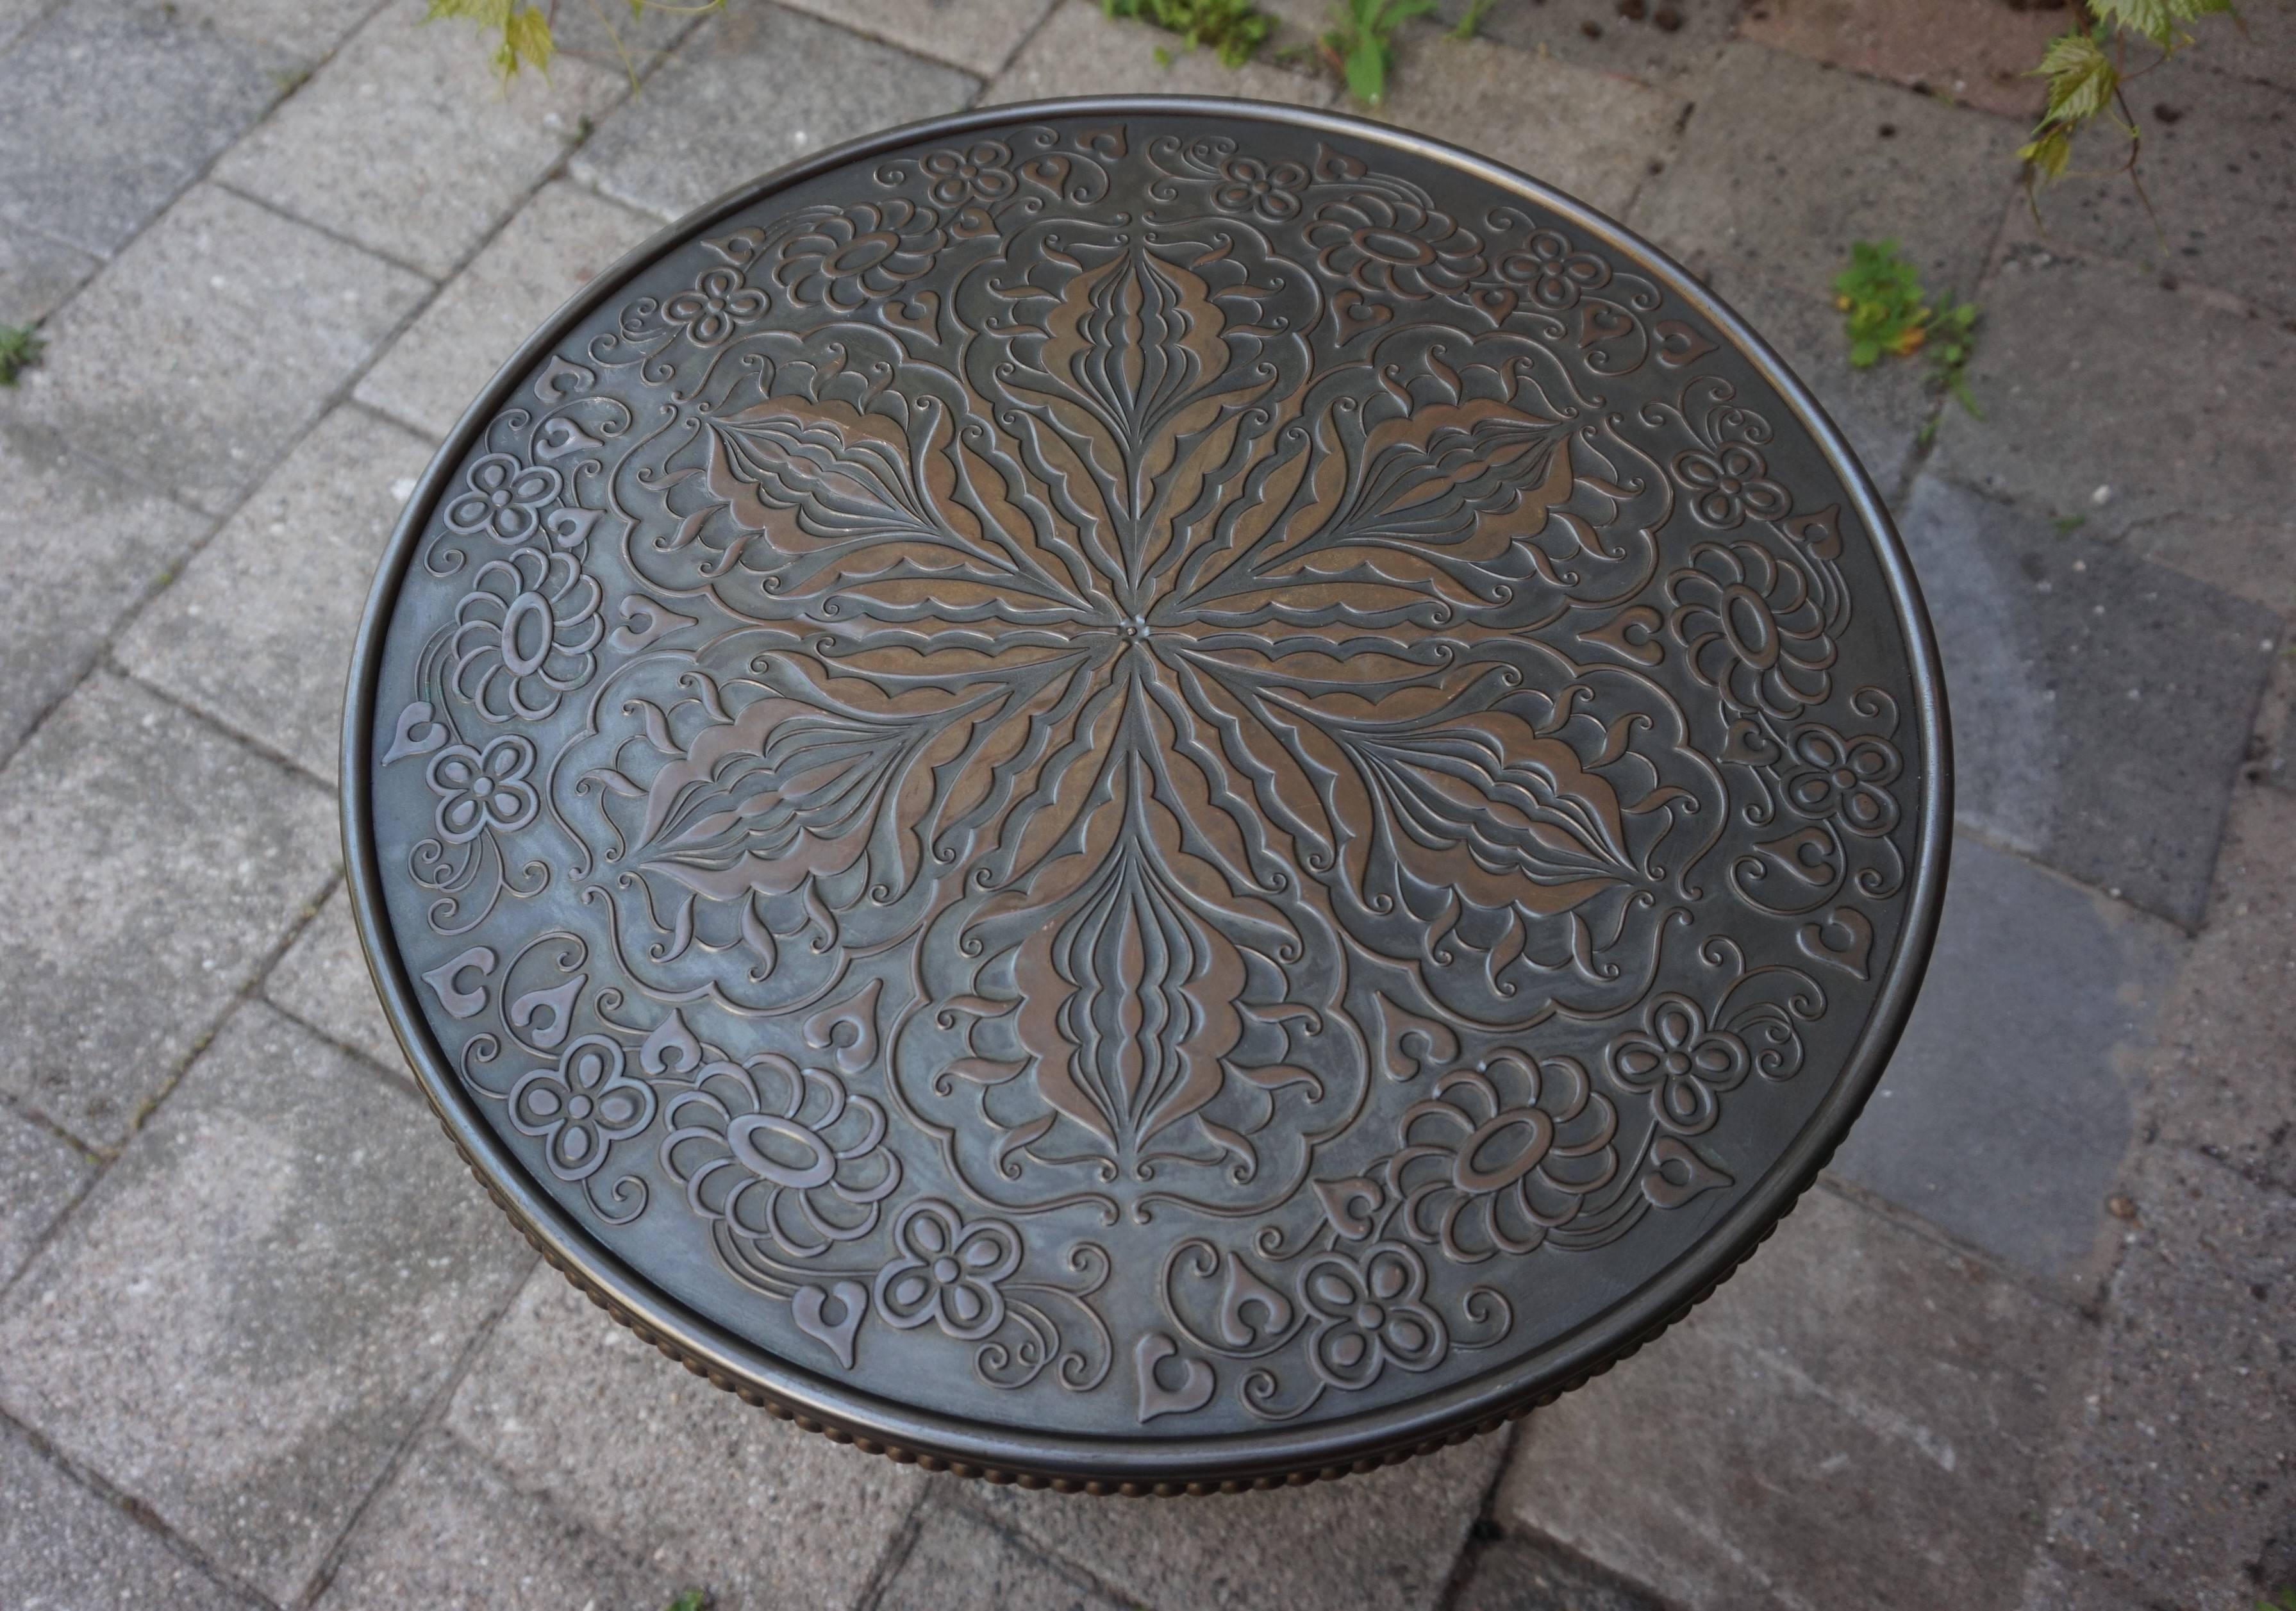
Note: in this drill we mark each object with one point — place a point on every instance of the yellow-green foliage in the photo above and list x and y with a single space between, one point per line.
2087 68
520 29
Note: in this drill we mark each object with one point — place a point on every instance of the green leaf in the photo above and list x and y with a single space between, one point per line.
525 39
19 350
1163 57
1366 70
2081 79
1865 354
1470 21
2048 152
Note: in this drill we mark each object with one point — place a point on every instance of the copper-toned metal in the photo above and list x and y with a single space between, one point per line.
1146 793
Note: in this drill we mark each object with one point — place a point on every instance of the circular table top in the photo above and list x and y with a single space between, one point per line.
1146 793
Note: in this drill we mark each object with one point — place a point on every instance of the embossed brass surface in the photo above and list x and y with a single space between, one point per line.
1146 792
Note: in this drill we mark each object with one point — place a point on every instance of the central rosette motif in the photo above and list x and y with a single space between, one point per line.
1115 689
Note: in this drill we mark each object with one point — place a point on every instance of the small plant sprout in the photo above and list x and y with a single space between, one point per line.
1890 315
523 31
19 350
1470 21
1361 43
1232 29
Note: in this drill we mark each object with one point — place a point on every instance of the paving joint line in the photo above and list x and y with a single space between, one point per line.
432 1414
263 747
1483 1526
2056 1294
429 276
136 1510
401 1082
895 1555
964 1504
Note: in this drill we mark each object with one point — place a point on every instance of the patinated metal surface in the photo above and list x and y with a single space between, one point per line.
1146 792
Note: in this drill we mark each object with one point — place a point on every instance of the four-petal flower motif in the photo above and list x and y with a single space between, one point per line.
1847 778
1730 483
1272 190
1369 1313
503 498
717 306
1683 1063
975 174
580 1108
478 789
946 1271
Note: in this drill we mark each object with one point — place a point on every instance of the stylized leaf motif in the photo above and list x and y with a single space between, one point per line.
1135 1045
1462 479
781 794
1485 804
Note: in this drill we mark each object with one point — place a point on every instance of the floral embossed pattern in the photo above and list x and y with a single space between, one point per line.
1127 777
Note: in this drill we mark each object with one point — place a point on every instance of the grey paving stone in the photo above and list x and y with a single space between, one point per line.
153 862
1514 1573
1859 1418
210 343
2180 1484
1386 1540
2222 177
979 35
1981 52
1637 47
1079 52
702 127
322 979
2010 1104
17 15
632 45
1589 133
2196 476
957 1560
407 143
68 1549
555 245
248 1316
1783 165
1880 410
78 549
2264 47
2100 703
113 106
2223 1080
577 1410
39 1176
450 1534
303 30
37 273
257 630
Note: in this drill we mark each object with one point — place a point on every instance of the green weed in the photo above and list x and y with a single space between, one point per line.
1233 29
19 350
1889 315
1361 43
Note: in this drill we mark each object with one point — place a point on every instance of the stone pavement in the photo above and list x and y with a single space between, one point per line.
2031 1344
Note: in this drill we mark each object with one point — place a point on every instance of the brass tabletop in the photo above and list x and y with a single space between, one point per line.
1146 794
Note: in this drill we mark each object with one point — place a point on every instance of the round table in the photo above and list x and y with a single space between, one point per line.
1146 794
